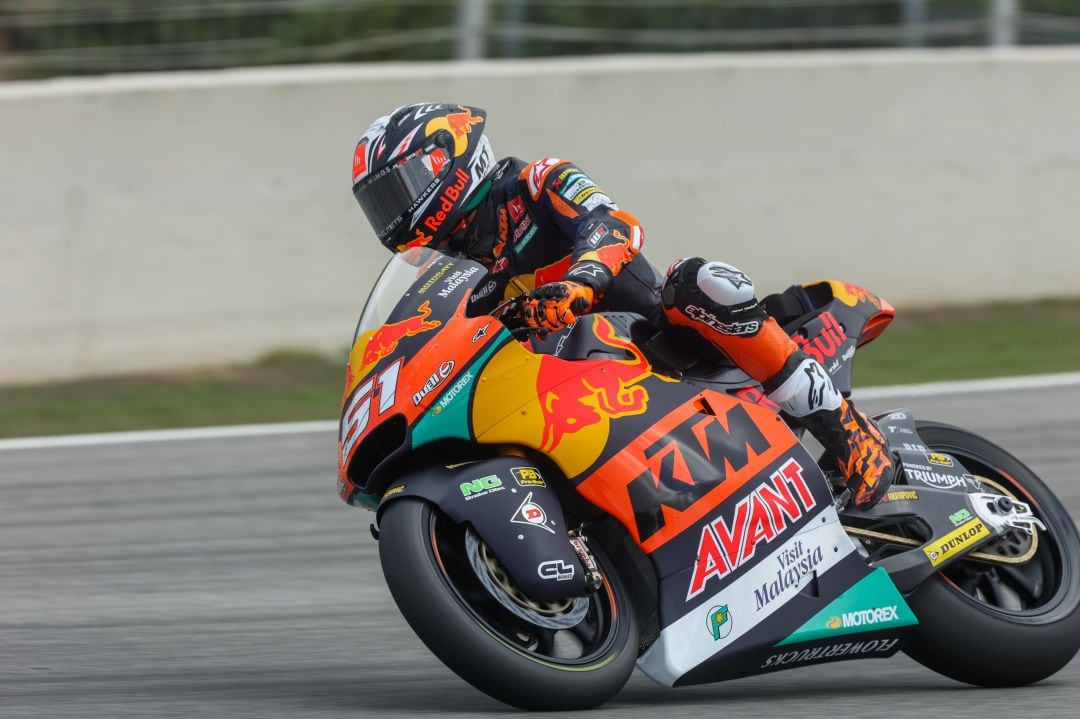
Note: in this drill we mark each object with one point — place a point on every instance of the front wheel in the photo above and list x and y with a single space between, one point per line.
1001 625
573 654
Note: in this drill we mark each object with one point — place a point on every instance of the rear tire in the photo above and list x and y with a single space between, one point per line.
475 637
1000 627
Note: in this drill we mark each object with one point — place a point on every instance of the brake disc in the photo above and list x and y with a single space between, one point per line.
1013 548
561 614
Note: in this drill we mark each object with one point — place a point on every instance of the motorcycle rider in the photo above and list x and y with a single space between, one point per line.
425 176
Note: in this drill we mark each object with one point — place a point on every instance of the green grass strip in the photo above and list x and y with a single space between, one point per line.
956 344
294 386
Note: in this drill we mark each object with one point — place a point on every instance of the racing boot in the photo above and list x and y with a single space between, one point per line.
805 391
718 302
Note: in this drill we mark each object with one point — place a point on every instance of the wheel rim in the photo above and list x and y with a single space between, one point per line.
584 644
1027 589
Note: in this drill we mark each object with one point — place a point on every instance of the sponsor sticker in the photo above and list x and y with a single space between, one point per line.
433 381
555 569
942 460
394 490
517 208
457 279
725 328
941 480
759 518
445 204
522 228
521 244
435 278
845 649
454 391
598 234
585 194
594 201
719 622
527 476
481 487
824 346
901 495
484 292
579 184
480 333
864 618
959 517
532 514
795 564
956 541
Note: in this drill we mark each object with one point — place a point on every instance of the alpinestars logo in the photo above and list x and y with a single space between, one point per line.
822 392
725 328
734 277
759 518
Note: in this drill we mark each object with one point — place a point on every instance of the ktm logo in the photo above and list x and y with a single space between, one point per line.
759 518
689 462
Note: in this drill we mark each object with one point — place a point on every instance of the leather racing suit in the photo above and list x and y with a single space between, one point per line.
560 237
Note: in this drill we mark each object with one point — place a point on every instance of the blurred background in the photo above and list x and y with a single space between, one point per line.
174 192
45 38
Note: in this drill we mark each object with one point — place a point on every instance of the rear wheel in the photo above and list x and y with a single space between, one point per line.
451 588
1001 625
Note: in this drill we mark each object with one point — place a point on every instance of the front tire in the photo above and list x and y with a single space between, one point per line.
1000 626
423 556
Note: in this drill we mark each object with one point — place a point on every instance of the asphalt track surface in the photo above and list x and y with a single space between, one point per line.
223 578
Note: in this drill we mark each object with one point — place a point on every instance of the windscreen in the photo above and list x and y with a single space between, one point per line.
397 278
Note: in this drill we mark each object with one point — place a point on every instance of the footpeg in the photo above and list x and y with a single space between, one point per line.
1002 513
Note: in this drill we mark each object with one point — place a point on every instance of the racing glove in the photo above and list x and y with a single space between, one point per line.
557 304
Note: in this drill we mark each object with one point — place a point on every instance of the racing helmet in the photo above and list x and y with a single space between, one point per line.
416 169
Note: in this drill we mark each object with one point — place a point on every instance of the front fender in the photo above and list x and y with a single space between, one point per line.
509 504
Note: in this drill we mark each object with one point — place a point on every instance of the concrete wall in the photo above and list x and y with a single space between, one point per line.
167 221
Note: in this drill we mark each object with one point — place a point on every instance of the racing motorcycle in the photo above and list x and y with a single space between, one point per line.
552 510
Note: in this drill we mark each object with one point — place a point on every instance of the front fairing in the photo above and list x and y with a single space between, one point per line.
412 346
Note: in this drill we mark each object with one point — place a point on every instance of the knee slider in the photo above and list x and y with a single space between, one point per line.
714 293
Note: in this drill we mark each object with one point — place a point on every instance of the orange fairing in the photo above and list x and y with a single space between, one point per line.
397 388
559 407
881 312
666 455
877 324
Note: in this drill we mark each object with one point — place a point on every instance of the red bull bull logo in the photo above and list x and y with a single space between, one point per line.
571 401
852 295
384 340
459 124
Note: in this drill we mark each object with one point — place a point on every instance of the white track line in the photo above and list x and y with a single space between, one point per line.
932 389
169 435
974 386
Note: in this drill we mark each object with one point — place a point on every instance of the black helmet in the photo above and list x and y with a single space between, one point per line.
416 168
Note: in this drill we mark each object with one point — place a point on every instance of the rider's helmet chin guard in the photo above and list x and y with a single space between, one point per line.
415 170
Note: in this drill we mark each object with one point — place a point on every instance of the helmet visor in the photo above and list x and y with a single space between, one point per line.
388 195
